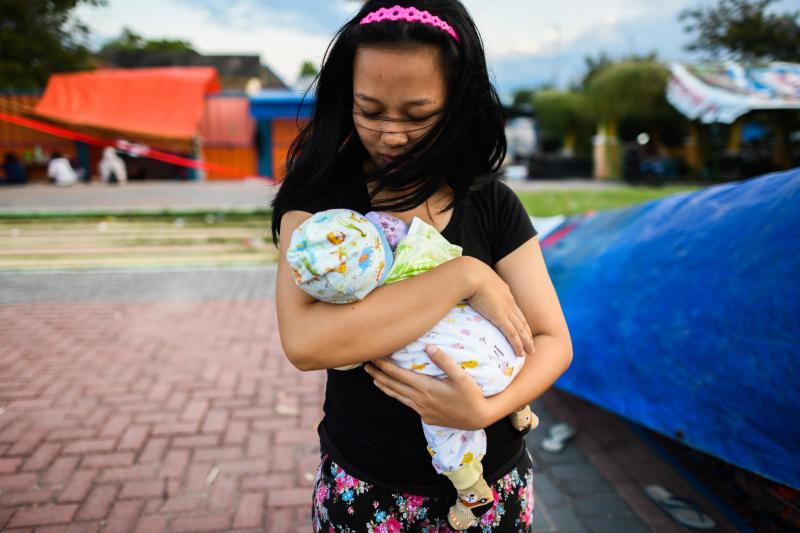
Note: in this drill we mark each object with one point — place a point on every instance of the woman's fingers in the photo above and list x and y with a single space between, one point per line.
511 333
386 378
495 301
454 402
402 375
445 363
524 332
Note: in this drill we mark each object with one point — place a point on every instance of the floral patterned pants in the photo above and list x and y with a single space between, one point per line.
344 504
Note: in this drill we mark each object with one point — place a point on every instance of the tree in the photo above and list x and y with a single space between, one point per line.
629 89
130 41
39 37
127 49
558 112
522 97
562 118
744 30
596 65
631 92
308 69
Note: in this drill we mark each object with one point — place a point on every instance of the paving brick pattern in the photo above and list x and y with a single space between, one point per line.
136 415
596 484
160 401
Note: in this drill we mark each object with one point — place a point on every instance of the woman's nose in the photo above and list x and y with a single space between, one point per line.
394 138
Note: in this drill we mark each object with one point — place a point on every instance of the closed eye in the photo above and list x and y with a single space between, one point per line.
408 119
367 115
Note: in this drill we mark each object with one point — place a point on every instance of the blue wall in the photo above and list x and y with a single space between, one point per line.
269 105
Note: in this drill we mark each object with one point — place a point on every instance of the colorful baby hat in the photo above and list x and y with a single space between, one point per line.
338 256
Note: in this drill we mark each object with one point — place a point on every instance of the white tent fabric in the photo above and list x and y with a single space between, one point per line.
724 92
547 225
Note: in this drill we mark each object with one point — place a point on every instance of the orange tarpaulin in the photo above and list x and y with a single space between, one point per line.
163 102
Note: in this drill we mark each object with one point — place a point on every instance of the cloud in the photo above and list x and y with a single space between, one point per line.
527 42
518 26
234 29
308 16
657 30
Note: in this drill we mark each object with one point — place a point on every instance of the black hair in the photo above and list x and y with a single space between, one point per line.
463 149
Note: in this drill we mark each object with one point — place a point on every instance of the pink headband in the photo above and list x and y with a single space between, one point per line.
409 14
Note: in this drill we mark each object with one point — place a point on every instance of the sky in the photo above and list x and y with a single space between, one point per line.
528 43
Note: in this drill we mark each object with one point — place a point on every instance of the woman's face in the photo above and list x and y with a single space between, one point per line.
398 95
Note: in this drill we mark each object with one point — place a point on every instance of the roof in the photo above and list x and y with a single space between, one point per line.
724 92
228 66
233 65
165 103
281 104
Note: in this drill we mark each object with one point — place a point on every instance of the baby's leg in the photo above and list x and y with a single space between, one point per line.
453 448
457 454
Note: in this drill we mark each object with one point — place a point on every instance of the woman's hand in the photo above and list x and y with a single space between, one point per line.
455 402
493 299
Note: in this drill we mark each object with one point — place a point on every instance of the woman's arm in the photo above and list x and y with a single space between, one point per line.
317 335
458 401
526 274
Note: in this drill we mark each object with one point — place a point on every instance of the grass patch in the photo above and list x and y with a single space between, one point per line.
573 202
243 235
543 203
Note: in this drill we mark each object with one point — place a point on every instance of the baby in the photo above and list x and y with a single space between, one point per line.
339 256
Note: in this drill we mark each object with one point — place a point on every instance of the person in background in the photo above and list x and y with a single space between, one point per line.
13 170
112 167
60 171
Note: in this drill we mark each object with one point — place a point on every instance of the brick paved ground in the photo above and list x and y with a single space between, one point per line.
160 401
596 485
127 413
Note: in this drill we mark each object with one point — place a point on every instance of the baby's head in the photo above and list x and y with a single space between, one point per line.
338 256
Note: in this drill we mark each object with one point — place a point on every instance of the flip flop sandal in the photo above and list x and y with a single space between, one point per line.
685 512
557 437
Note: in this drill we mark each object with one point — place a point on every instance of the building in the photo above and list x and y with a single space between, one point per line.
237 73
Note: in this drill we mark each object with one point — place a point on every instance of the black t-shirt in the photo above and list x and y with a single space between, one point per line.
376 438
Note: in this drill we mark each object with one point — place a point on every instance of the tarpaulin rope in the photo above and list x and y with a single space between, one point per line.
134 149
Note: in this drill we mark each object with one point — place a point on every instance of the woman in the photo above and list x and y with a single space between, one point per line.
406 121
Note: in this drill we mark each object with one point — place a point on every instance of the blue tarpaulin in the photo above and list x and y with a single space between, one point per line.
685 318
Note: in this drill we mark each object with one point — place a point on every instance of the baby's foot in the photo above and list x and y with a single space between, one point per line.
471 504
524 419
